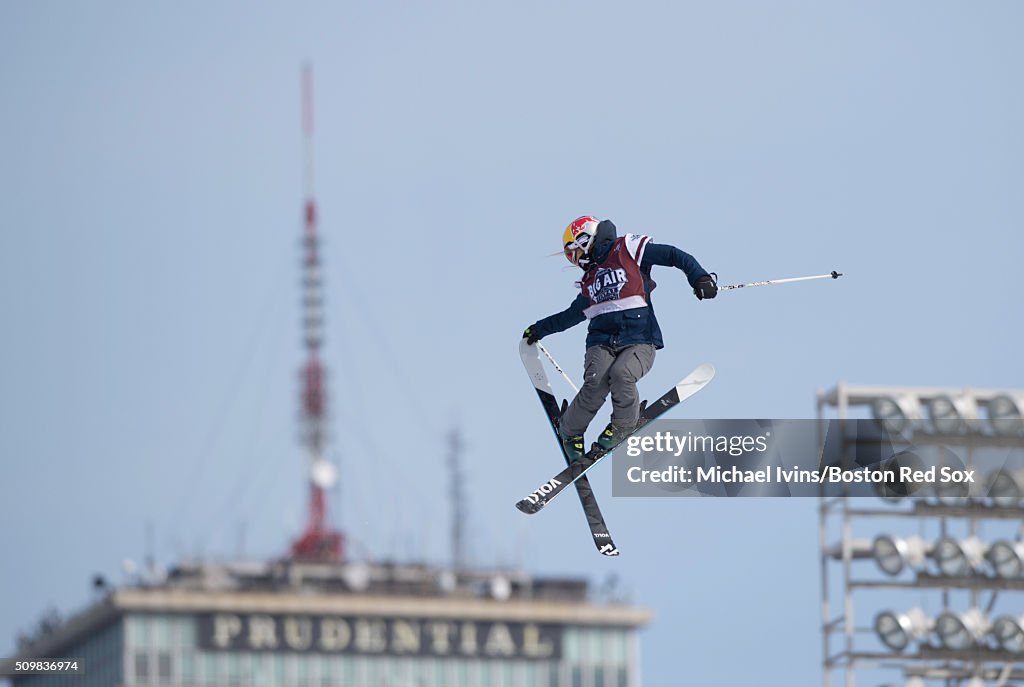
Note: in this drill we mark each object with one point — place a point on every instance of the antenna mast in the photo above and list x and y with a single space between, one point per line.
319 542
458 499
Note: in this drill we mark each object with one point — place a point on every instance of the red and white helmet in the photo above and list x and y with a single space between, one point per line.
578 239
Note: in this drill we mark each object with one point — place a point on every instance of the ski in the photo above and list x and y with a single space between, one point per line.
539 378
688 386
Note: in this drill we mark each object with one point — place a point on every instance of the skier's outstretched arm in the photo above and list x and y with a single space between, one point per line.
669 256
559 322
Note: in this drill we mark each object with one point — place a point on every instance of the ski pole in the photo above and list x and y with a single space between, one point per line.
832 275
557 366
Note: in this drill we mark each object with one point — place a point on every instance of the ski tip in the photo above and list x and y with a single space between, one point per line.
695 381
701 375
609 550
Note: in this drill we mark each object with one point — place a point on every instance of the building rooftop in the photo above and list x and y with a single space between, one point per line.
286 587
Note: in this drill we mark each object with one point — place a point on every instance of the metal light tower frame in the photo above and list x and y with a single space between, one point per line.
930 664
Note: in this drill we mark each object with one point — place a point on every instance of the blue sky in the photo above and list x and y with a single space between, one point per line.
151 187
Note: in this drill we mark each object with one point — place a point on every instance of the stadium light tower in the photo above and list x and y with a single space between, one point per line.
966 589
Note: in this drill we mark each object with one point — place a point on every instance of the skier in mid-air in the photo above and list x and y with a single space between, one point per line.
623 334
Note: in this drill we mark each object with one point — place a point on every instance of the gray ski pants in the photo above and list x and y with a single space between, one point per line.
609 369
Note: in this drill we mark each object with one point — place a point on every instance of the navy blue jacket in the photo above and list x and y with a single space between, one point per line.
625 327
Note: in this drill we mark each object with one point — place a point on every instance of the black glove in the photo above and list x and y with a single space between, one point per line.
706 287
530 336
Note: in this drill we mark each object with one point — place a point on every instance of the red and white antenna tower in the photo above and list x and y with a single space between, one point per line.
319 542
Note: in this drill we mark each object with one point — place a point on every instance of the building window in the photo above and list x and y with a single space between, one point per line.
233 672
163 666
258 669
529 675
553 676
188 667
462 673
577 676
485 673
136 631
279 671
619 651
210 669
348 671
443 673
571 645
188 631
623 678
141 666
591 641
330 671
161 632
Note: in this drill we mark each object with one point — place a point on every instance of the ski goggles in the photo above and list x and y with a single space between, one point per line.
580 243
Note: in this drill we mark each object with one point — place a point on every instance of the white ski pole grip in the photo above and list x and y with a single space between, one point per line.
770 282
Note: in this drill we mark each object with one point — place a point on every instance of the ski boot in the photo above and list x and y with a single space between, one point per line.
612 436
573 446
